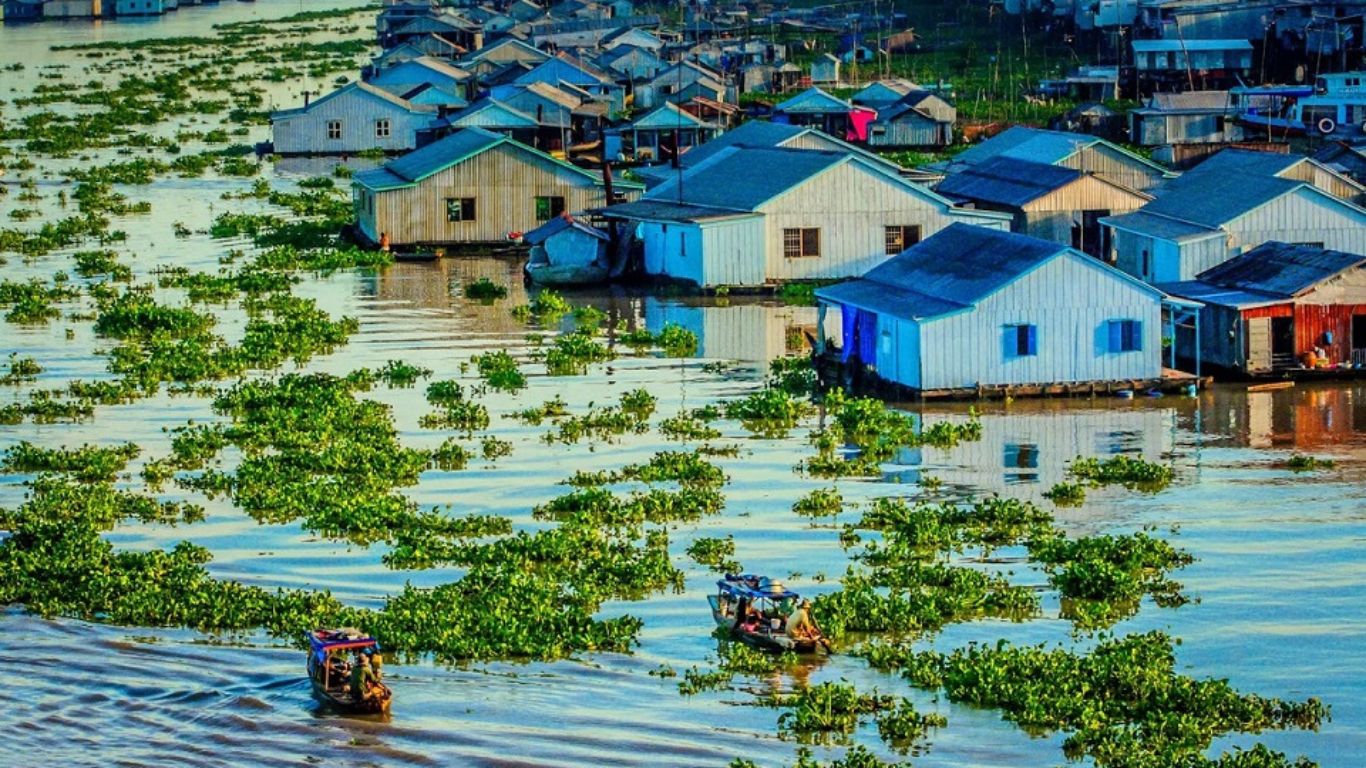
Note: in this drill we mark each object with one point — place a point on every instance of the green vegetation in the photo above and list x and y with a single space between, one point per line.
500 371
485 289
1122 470
822 502
1302 463
716 554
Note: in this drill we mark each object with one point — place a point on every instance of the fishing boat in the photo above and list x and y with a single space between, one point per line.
567 252
329 670
755 610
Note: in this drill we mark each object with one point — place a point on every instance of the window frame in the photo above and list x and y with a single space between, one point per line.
1125 335
334 130
897 233
467 210
1026 341
384 128
798 242
550 206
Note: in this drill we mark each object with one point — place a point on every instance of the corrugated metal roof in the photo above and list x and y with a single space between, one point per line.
815 101
1027 143
887 300
1206 293
423 162
1161 226
1281 269
559 224
379 178
668 115
1212 200
1196 100
491 113
1231 163
667 210
1176 46
1007 181
742 179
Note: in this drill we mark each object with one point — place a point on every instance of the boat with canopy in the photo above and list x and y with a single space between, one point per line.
329 670
763 613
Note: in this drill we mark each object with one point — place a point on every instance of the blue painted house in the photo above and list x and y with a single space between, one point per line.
973 307
407 75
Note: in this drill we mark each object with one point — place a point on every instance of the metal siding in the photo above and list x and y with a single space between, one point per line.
1050 217
504 182
733 252
1115 167
1301 217
307 133
1070 301
851 205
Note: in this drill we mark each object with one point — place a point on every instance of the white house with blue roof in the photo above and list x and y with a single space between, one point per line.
750 217
1088 154
353 118
1208 219
474 186
974 307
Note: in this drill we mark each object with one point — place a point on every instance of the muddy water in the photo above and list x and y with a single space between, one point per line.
1279 575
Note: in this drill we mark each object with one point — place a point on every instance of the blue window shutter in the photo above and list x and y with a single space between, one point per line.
1116 335
1033 339
1136 332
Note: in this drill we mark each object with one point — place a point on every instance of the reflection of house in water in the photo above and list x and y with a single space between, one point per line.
1302 417
736 329
1025 452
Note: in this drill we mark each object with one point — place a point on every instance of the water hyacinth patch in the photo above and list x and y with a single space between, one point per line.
1130 472
484 290
500 371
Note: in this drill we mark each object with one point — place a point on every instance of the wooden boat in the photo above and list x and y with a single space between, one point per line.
330 672
755 610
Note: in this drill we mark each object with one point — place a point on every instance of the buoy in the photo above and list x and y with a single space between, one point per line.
1327 126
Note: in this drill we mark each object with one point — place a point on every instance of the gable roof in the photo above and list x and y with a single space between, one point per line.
432 94
1191 100
524 49
1007 181
560 224
491 113
669 115
1237 163
563 67
358 88
883 91
729 181
953 270
813 100
761 134
428 63
1042 146
1281 269
422 163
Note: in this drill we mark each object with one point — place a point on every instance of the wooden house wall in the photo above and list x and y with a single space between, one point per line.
1115 167
1320 177
1153 129
1051 217
910 130
306 133
503 181
80 9
1070 299
851 205
1301 217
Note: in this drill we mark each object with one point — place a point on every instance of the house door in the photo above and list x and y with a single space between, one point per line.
1282 342
1088 234
1359 339
1258 333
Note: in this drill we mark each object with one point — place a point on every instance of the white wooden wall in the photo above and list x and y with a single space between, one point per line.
307 132
1070 299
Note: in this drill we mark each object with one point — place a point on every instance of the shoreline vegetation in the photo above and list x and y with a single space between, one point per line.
312 449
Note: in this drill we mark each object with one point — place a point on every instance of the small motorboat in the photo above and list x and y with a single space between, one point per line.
756 610
329 670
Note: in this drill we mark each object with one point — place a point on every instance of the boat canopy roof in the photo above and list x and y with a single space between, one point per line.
755 587
325 641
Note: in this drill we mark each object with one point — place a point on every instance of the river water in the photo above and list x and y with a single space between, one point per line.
1280 574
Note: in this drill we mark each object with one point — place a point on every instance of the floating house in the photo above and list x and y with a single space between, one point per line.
1191 63
1242 163
354 118
825 70
972 307
496 55
1203 222
1191 117
1090 154
679 83
474 186
816 108
883 93
139 8
754 217
1270 308
666 131
1051 202
918 119
1342 157
564 69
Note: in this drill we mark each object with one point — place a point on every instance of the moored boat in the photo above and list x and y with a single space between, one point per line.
763 613
329 671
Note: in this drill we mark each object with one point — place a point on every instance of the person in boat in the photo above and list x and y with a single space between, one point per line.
800 625
361 678
377 668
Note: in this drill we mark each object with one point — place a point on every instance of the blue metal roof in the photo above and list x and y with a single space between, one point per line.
1281 269
1205 293
421 163
813 101
1153 225
743 179
1231 163
888 300
1007 181
1212 200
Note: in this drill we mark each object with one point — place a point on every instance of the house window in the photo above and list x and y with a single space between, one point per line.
1126 335
801 242
334 129
898 239
459 209
548 207
382 129
1021 340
